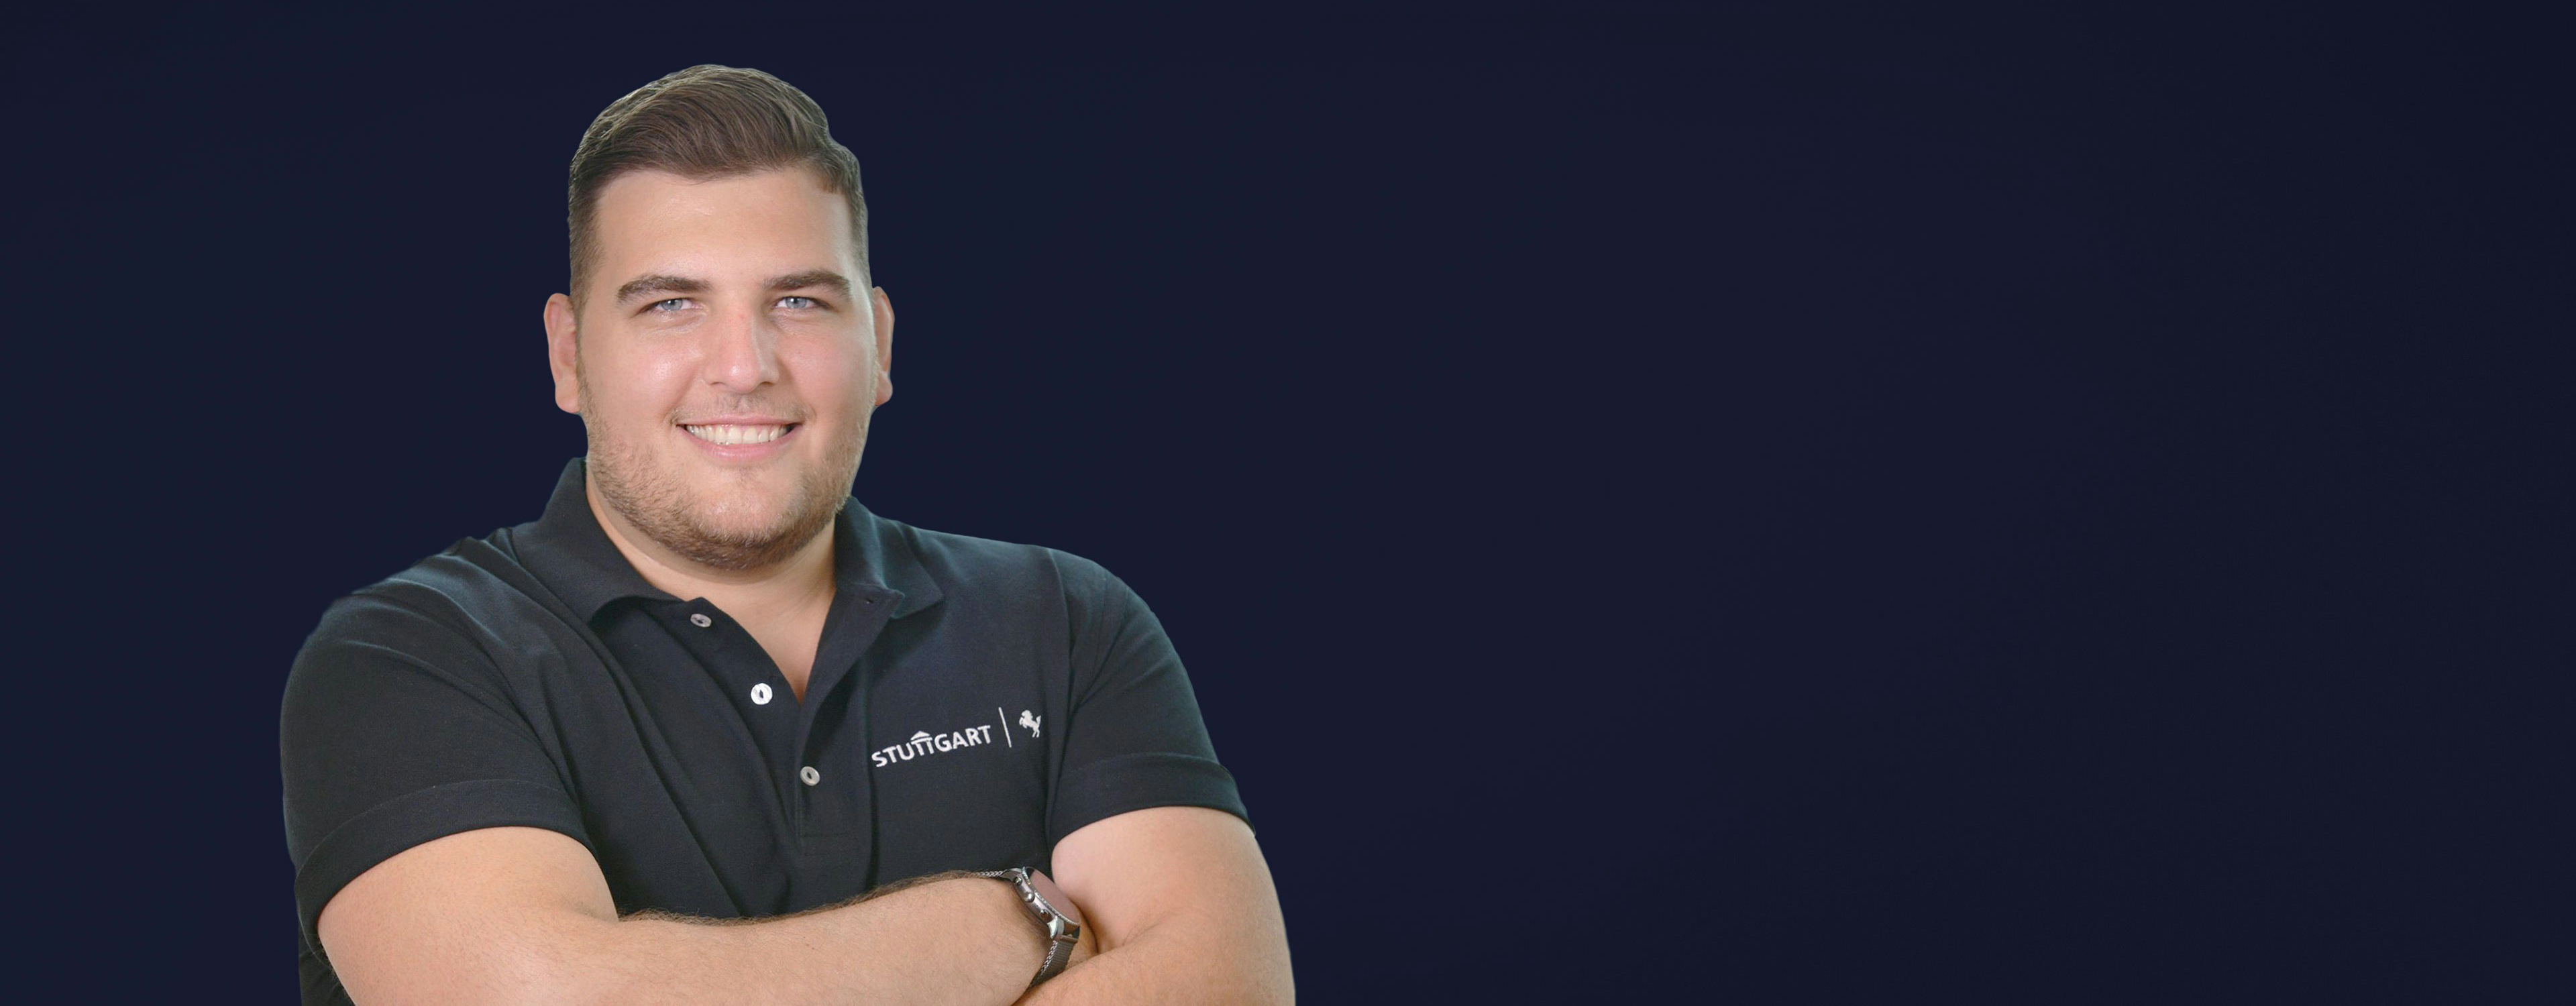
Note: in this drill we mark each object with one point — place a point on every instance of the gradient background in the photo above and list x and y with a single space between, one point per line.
1839 508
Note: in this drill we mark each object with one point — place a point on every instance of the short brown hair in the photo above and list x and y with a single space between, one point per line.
705 122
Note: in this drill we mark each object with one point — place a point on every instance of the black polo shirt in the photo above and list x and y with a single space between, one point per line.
971 703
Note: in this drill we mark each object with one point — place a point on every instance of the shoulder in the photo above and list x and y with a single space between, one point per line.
964 564
462 610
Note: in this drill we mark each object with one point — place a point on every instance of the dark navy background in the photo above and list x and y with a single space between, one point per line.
1854 508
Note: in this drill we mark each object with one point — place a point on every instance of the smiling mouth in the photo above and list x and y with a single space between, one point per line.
731 435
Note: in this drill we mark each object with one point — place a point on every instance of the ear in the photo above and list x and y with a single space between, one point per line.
563 352
884 308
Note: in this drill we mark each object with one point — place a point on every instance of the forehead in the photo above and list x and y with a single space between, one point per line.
762 223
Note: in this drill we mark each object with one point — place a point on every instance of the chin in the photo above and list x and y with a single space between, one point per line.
735 523
739 498
731 539
752 527
748 513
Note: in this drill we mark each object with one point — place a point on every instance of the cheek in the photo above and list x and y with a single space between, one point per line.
833 379
636 388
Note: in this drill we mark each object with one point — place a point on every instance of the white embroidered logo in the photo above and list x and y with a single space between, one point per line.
927 743
1030 722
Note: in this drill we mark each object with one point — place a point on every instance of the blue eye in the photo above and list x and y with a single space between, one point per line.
668 306
796 303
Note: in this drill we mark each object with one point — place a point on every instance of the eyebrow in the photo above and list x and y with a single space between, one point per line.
659 283
811 278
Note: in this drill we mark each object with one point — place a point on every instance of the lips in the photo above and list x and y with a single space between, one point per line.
733 434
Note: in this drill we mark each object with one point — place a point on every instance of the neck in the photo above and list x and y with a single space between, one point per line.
801 581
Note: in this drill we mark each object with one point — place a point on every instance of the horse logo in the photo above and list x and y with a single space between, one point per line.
1030 721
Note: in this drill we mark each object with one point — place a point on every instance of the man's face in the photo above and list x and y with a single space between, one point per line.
724 360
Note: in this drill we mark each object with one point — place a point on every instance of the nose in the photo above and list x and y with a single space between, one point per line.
745 353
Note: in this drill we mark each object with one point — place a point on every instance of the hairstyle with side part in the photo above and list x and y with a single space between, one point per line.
706 122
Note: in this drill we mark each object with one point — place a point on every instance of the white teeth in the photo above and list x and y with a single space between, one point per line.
737 434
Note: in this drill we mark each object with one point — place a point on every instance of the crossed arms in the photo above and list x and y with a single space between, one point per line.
1178 899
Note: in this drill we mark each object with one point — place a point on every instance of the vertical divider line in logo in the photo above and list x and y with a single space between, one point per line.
1006 726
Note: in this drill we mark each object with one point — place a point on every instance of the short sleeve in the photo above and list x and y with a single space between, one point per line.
1134 738
396 730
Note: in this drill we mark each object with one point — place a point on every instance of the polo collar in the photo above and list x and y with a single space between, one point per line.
568 550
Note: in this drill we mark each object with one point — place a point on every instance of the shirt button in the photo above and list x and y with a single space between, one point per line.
809 775
701 620
760 694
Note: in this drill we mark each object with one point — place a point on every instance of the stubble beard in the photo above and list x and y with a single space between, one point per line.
679 516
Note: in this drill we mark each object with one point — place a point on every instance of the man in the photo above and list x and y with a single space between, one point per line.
708 730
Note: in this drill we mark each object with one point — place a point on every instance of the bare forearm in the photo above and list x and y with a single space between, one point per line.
961 942
1181 961
1183 908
